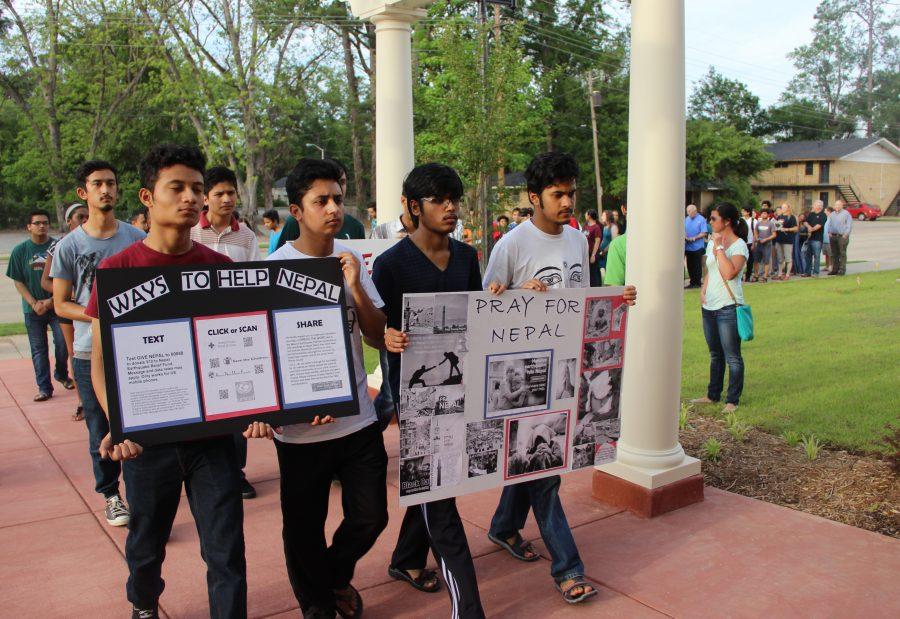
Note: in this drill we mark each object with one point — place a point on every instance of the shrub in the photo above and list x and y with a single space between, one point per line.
811 446
711 449
791 437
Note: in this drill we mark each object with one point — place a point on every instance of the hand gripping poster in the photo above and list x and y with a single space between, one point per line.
199 351
495 390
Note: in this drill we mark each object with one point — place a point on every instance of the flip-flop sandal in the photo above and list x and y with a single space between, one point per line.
78 415
517 549
575 599
420 582
347 596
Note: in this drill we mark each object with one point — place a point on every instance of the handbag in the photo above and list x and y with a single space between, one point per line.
744 316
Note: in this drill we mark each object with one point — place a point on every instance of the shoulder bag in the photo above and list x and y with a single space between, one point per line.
744 316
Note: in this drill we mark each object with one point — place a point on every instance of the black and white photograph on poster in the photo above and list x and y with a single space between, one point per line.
517 383
417 402
599 393
565 379
418 314
604 452
592 430
597 321
536 443
451 313
484 436
619 315
448 440
437 361
484 463
415 437
602 354
582 456
415 475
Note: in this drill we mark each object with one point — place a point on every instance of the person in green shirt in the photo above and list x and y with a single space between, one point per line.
615 256
26 265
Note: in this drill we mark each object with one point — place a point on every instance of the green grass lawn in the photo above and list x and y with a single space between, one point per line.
12 328
824 360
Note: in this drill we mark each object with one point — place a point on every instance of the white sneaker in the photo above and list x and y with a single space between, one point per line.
116 513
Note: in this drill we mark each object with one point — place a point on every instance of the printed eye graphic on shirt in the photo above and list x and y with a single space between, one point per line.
575 272
550 276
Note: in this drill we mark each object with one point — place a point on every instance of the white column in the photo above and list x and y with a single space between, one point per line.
394 147
649 453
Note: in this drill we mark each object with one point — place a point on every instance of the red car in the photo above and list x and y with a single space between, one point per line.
863 211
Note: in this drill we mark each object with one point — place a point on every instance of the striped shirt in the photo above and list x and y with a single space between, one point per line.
237 241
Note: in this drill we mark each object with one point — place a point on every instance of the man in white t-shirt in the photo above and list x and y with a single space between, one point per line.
349 448
542 253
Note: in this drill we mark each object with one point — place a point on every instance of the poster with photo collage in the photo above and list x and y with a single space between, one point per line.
495 390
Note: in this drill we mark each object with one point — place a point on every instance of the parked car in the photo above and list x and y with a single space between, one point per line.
863 211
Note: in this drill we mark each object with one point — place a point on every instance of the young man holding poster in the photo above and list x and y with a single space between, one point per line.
172 189
75 260
428 260
350 448
538 255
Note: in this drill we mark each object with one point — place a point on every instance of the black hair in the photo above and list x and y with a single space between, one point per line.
372 205
767 204
162 156
526 211
141 210
272 215
305 173
592 213
431 180
339 164
218 174
89 167
503 217
517 210
549 169
37 211
728 212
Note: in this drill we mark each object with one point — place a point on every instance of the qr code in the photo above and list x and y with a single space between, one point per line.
223 394
248 341
214 362
258 368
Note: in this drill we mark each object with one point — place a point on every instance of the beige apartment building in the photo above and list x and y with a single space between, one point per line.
854 169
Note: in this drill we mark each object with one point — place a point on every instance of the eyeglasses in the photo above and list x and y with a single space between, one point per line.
439 202
40 223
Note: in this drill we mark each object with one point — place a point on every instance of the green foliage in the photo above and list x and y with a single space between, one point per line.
738 431
720 153
791 437
711 449
811 446
722 100
683 416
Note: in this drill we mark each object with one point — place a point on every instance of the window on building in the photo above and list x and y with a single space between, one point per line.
807 200
779 197
781 164
823 196
809 168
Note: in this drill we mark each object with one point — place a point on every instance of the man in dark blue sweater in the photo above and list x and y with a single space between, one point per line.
428 260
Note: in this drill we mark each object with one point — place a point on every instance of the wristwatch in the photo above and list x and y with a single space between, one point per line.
720 248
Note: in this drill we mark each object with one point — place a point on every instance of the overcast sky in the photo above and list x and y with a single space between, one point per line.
747 40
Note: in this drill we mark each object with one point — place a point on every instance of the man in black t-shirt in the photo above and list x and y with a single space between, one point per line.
428 260
784 241
815 224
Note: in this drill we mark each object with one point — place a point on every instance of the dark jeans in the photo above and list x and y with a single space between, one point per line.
541 495
384 401
240 450
359 461
748 272
106 472
595 274
812 254
438 525
36 327
720 329
208 469
839 244
694 261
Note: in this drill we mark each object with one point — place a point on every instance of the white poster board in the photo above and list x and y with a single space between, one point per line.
369 248
498 390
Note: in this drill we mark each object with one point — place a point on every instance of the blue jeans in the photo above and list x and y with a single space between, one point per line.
541 495
384 401
106 472
720 329
209 471
812 252
36 327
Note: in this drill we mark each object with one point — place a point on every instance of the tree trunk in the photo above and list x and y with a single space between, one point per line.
373 58
353 111
870 51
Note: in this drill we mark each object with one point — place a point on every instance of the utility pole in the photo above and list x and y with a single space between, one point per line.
594 101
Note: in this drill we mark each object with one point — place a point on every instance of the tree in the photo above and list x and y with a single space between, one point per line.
793 119
727 101
721 153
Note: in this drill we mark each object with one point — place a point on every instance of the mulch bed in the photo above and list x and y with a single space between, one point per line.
858 490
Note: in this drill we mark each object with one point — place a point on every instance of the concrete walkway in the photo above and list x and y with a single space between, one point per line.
726 557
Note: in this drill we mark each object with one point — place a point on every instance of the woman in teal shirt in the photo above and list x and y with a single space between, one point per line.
726 258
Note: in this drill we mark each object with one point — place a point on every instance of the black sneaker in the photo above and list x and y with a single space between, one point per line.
144 613
116 513
247 490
